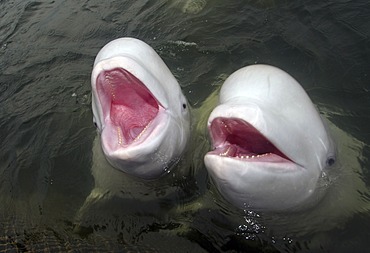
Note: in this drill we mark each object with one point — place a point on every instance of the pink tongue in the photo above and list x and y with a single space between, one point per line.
132 106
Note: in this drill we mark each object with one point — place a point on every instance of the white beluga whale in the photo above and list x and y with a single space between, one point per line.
143 123
271 149
138 108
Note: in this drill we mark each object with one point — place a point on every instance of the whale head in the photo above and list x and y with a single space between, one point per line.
271 148
138 108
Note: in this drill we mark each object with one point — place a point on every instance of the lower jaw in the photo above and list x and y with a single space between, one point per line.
268 157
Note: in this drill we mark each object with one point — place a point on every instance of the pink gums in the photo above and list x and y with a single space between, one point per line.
128 101
233 137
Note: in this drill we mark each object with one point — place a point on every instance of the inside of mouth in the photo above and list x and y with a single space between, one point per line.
128 102
233 137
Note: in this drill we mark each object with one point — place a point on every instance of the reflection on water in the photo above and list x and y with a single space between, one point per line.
46 53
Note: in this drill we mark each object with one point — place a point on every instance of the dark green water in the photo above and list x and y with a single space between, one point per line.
47 49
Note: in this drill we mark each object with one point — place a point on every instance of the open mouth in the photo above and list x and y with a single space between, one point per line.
236 138
128 105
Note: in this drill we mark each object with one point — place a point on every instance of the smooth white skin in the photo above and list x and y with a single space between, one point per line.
161 145
277 106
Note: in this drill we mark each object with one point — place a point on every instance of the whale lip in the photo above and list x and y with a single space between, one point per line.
131 113
237 139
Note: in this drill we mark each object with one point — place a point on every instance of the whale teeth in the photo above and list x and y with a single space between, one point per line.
226 127
119 133
142 132
111 85
226 152
253 156
120 136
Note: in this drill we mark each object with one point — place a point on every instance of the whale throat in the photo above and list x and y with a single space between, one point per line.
127 103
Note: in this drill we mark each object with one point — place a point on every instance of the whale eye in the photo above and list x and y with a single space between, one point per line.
95 123
184 106
330 161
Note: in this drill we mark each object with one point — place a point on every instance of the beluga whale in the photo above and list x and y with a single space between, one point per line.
138 108
271 148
